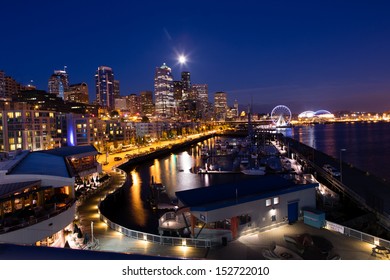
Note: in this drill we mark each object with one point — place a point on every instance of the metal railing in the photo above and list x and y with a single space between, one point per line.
163 240
362 236
23 223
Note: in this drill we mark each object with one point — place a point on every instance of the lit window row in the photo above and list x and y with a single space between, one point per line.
268 201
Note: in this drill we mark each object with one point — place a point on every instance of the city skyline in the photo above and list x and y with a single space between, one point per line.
306 56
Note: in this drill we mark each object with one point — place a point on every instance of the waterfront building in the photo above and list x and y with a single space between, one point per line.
146 103
77 93
24 127
104 82
148 130
258 203
58 83
79 130
37 193
163 91
220 105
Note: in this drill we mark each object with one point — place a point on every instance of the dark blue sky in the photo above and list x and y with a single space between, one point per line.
308 55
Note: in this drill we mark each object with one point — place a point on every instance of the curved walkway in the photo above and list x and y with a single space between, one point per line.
113 241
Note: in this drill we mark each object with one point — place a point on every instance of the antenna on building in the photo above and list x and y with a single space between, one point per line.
65 68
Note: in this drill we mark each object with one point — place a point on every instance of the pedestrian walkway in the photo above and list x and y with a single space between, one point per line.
246 247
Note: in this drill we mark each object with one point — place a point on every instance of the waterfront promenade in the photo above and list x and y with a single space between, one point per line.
248 247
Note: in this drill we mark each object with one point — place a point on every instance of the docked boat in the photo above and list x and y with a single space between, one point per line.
254 171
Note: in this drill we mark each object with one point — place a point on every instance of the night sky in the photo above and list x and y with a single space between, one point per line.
307 55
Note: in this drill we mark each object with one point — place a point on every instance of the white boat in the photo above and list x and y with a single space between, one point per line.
254 171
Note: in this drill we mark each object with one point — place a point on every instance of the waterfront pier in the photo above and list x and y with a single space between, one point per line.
367 191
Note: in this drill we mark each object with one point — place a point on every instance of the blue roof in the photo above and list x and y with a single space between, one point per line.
42 164
224 195
51 162
71 150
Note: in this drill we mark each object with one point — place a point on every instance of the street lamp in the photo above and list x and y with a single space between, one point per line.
106 138
341 164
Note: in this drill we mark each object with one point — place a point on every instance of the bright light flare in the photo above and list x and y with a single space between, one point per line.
182 59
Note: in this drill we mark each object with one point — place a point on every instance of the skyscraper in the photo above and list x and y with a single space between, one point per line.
146 103
202 94
186 83
163 91
220 105
117 92
104 79
58 83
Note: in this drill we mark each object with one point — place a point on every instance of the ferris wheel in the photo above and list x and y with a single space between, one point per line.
281 115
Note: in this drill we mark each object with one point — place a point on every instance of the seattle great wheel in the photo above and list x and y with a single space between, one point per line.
281 116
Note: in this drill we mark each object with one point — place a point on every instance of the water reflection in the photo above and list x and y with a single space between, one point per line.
177 171
136 206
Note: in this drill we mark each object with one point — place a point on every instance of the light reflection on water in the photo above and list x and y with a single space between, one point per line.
367 144
136 204
177 171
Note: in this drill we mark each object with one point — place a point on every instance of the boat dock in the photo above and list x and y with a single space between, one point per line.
159 198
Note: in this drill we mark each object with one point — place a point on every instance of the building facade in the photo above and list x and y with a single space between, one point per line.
146 103
163 91
104 81
117 92
77 93
58 83
186 84
23 127
220 105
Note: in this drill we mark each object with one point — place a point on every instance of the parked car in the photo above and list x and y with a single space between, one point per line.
331 170
117 158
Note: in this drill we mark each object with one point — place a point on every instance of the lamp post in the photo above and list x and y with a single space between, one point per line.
106 138
341 164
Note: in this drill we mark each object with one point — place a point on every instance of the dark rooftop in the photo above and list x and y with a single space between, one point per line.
224 195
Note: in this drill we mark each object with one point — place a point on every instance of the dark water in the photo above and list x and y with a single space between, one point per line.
177 172
367 145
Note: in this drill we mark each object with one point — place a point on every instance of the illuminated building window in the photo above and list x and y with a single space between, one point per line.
276 200
268 202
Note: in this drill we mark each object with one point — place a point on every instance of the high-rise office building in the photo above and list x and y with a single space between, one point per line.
104 80
77 93
134 104
146 103
220 105
178 91
58 83
186 83
117 92
163 91
202 95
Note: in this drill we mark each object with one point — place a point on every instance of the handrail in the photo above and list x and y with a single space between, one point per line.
36 220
